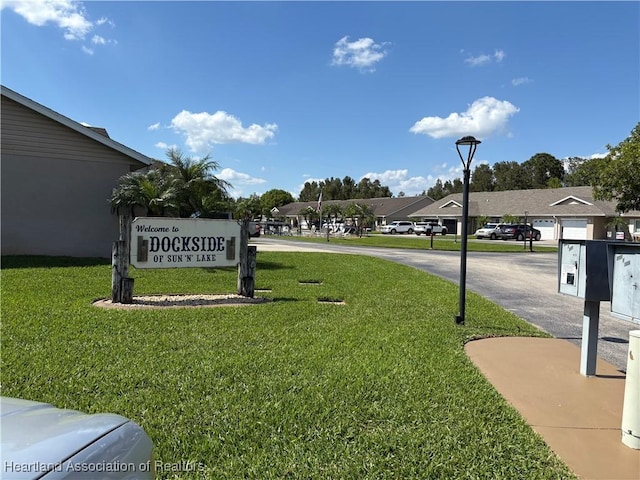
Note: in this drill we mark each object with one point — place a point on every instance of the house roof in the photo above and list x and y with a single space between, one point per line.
549 202
95 133
382 207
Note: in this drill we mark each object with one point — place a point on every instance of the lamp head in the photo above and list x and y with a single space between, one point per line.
468 140
473 144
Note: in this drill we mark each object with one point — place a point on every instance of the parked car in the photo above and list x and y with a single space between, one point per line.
272 227
254 229
398 226
40 441
421 228
518 232
430 227
488 231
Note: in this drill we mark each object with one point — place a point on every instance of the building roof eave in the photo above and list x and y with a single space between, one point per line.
86 131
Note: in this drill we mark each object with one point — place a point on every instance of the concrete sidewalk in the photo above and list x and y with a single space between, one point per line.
579 417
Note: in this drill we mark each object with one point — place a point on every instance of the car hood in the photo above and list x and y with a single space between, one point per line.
36 435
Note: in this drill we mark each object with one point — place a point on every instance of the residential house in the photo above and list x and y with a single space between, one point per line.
57 178
385 209
569 213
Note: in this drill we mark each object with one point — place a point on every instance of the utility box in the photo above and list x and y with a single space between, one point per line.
583 269
624 277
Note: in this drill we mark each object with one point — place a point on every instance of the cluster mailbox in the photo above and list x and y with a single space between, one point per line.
601 270
583 270
624 278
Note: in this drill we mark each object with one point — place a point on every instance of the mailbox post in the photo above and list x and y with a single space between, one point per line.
606 270
583 273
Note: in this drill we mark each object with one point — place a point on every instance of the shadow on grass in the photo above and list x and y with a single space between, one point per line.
42 261
262 265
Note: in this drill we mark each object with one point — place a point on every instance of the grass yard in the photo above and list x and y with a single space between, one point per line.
379 387
440 242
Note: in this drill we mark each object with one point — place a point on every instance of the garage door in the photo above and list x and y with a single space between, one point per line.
574 229
546 227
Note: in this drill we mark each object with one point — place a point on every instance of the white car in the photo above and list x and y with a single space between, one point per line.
489 230
398 227
40 441
430 227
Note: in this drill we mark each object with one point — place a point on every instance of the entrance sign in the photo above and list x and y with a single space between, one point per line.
184 242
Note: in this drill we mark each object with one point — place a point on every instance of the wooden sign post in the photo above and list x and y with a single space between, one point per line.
161 242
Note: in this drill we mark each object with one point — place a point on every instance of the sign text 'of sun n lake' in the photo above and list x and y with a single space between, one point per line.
184 242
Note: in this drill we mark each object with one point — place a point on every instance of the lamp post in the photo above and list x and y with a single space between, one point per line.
526 213
472 143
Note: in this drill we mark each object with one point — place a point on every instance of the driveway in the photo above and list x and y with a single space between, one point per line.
523 283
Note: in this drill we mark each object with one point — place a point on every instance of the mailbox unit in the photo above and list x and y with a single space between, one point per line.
586 270
598 270
624 278
582 269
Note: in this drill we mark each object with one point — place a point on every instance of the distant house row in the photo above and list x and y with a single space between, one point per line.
569 213
57 176
385 209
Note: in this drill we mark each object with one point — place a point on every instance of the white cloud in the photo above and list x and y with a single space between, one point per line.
362 54
565 160
104 20
68 15
400 181
166 146
238 181
516 82
479 60
87 50
485 59
483 117
155 126
204 129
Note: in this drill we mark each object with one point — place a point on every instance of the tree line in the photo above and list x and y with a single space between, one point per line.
187 187
615 176
345 189
540 171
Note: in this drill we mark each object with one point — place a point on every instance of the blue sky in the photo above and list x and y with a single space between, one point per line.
279 93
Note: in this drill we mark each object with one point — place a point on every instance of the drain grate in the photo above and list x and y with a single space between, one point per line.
334 301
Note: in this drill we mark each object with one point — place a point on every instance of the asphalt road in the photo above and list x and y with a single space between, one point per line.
523 283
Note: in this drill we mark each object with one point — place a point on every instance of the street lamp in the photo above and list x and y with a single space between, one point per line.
526 213
472 143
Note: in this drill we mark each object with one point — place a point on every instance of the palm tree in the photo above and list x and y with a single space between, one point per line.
309 214
362 214
150 190
183 188
199 190
334 211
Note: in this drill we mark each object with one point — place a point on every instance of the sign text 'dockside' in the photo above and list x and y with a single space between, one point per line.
184 242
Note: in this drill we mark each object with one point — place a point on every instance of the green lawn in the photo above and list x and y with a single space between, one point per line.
379 387
440 242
